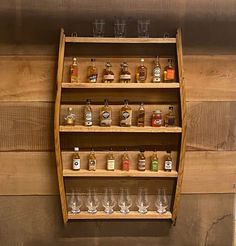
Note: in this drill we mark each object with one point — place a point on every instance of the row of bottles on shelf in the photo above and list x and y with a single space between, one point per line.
125 161
124 201
125 116
108 76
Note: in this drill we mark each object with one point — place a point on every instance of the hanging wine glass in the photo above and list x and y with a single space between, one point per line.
142 201
161 201
74 203
124 201
92 201
108 201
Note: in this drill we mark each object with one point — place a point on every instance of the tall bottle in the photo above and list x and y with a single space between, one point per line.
154 161
168 162
157 71
88 114
141 115
70 117
92 161
105 114
74 71
170 117
141 161
76 159
110 161
125 75
92 73
108 75
141 72
125 161
169 72
126 114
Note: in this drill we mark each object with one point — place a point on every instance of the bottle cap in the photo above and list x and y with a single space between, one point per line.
108 64
142 60
74 59
158 111
70 108
76 148
125 64
171 107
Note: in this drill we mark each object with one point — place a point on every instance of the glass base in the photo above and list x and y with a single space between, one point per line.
142 210
77 211
124 210
108 210
92 211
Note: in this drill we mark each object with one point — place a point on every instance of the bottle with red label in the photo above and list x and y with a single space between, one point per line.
125 161
169 72
157 120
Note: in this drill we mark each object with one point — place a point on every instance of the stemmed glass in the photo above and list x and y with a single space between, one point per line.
108 201
142 201
119 28
143 28
98 28
74 203
92 201
161 201
124 201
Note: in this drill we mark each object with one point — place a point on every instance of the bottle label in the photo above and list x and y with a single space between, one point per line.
157 75
110 164
141 165
125 114
92 165
76 164
105 118
170 121
126 118
93 78
125 76
157 122
170 74
125 165
168 165
88 119
73 74
154 165
108 76
105 115
142 76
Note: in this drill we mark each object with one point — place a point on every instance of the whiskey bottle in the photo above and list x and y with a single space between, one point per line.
157 72
70 117
141 115
108 75
170 117
110 161
125 161
169 72
105 114
74 71
154 162
76 159
92 161
141 73
141 161
88 114
92 73
126 114
125 75
168 162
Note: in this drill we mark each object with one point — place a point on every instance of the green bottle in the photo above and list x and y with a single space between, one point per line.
154 162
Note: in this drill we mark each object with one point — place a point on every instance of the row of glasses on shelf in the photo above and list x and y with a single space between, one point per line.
142 201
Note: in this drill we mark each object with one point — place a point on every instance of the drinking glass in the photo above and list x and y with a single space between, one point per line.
142 201
74 203
119 28
143 28
124 201
108 201
161 201
92 201
98 28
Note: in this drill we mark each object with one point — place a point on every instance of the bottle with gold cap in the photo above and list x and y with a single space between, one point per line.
74 70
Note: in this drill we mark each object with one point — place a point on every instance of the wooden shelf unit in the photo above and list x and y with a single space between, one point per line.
164 93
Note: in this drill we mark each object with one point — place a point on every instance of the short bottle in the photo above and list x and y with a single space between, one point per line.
125 161
157 71
110 161
74 71
108 75
92 73
105 114
157 120
141 161
170 117
92 161
70 117
141 73
168 164
126 114
154 162
169 72
76 159
141 115
88 114
125 75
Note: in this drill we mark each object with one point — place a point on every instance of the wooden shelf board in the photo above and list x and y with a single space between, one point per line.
120 40
118 215
132 129
119 173
120 85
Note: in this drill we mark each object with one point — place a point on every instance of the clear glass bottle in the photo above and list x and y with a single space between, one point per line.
141 115
74 71
125 75
157 71
154 161
141 72
110 161
169 72
92 73
168 162
70 117
157 118
141 161
108 75
88 114
76 159
125 161
170 117
126 114
105 114
92 161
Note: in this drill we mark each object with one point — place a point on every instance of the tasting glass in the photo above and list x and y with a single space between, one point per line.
124 201
92 201
161 201
98 28
74 202
142 201
119 28
108 201
143 28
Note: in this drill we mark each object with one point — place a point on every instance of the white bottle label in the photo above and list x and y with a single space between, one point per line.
125 76
76 164
157 75
168 165
88 119
93 78
110 164
108 76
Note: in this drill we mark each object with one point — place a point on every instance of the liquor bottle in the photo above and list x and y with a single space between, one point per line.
126 114
141 115
108 75
110 161
125 161
170 117
76 159
141 161
169 72
168 162
70 117
92 161
88 114
125 75
105 114
154 161
92 73
141 72
74 71
157 72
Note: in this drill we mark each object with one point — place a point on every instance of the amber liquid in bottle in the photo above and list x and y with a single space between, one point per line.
154 162
105 114
126 114
141 73
74 71
110 161
108 75
125 161
92 73
169 72
88 114
70 117
125 75
168 162
141 115
92 161
76 159
141 161
170 117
